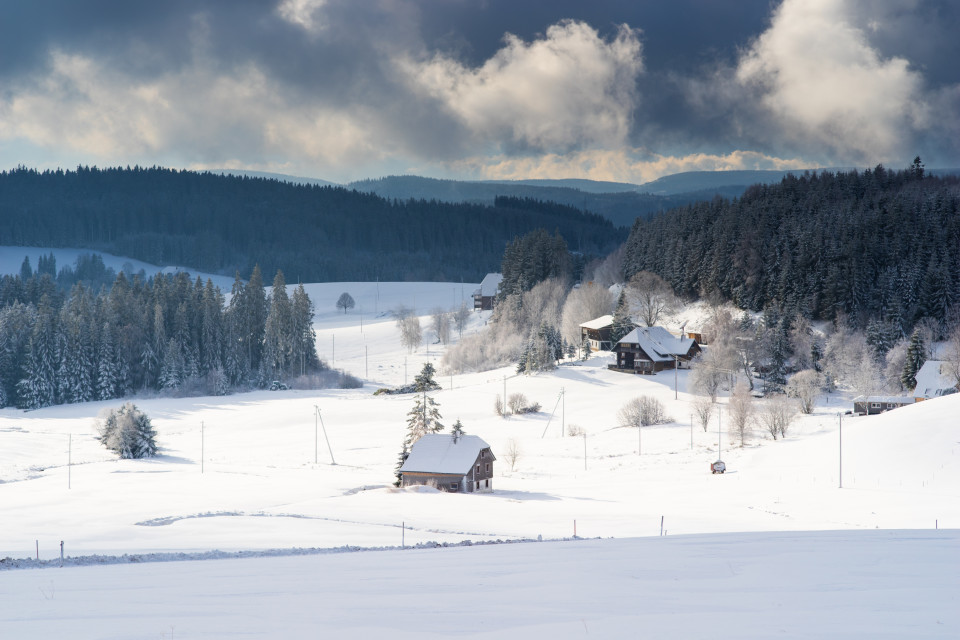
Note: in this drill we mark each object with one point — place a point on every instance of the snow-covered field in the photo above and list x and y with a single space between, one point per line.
773 547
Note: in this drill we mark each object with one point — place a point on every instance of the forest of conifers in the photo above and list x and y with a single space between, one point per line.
877 246
223 224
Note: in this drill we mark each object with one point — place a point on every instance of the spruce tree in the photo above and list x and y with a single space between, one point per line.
622 324
278 338
916 356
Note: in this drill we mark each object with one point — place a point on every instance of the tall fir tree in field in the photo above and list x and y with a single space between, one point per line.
303 336
278 339
622 324
916 356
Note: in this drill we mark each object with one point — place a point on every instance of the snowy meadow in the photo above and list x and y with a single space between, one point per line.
622 530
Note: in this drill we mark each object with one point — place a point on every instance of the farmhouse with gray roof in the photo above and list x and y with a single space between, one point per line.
452 463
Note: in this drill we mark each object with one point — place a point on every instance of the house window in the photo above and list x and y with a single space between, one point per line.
890 405
486 483
488 467
478 468
454 486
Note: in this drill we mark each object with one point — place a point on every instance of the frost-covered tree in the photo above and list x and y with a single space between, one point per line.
702 411
440 325
424 381
278 340
128 432
583 304
806 386
650 298
740 410
775 415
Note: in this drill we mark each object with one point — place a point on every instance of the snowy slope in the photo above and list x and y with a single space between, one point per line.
871 584
12 257
253 472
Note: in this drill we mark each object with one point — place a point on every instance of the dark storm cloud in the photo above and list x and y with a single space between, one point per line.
686 94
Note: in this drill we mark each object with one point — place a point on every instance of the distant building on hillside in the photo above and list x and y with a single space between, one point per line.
451 463
648 350
934 379
872 405
598 333
483 298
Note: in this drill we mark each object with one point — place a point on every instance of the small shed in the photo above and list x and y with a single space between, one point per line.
451 463
872 405
934 379
484 296
598 332
651 349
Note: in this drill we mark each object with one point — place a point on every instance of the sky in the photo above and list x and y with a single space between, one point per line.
480 89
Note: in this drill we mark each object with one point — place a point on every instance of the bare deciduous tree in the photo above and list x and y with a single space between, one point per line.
440 325
345 301
411 336
512 453
740 409
806 386
585 303
651 298
703 411
775 416
460 318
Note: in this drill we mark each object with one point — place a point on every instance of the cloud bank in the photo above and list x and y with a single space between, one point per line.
610 90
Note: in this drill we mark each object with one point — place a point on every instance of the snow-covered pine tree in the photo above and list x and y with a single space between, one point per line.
303 334
424 381
457 430
916 356
278 338
128 432
171 373
106 365
622 324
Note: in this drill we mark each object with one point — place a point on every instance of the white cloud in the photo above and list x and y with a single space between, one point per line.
302 13
824 83
201 115
569 89
621 165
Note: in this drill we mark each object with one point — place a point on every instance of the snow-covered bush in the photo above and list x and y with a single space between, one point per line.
642 411
806 386
127 431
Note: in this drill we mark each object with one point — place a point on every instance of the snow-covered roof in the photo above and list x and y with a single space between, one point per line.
658 343
438 453
598 323
885 399
933 379
489 285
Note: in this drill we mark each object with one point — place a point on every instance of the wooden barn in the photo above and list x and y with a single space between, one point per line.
483 298
597 332
648 350
450 463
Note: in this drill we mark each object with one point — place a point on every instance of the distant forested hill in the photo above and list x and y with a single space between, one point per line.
878 245
620 203
223 223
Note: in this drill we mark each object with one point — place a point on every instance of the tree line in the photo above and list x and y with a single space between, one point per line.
878 247
163 333
222 224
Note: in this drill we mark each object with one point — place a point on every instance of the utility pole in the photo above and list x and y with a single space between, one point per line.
563 412
325 437
504 412
333 347
366 362
69 461
840 415
676 366
201 447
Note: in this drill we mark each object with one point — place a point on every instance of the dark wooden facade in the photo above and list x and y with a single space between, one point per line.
872 405
479 478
